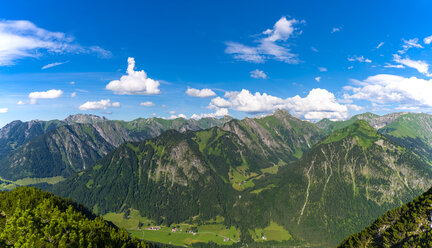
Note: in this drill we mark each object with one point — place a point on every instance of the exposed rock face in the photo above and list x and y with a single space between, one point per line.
84 119
381 121
279 135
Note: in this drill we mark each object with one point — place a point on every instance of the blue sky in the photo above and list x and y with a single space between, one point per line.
210 58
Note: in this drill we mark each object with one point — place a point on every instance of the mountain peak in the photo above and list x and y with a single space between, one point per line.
84 118
360 129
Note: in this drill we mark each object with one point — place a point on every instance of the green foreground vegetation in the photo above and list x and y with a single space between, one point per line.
33 218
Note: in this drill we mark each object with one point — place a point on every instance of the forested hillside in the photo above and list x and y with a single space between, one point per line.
407 226
33 218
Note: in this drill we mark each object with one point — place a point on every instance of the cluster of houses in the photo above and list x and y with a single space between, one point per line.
154 228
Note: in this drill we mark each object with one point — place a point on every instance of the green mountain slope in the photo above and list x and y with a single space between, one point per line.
338 187
414 131
407 226
374 120
33 218
167 178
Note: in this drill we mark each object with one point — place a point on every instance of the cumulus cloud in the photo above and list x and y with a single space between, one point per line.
360 59
203 93
427 40
21 39
407 44
318 104
389 89
258 74
98 105
318 79
50 94
3 110
380 45
419 65
147 104
52 65
270 45
134 83
177 116
73 94
220 112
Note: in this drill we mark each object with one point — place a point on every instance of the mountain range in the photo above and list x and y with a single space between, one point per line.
316 183
63 148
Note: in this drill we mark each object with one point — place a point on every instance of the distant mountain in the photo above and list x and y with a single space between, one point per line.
62 151
407 226
17 133
374 120
337 188
63 148
413 130
32 218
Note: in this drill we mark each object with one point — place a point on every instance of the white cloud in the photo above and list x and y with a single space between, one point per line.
3 110
314 49
335 29
134 83
407 44
322 69
388 65
390 89
203 93
269 44
177 116
22 39
258 74
318 79
220 112
172 112
419 65
20 102
52 65
102 104
102 53
318 104
360 59
380 45
147 104
219 102
50 94
427 40
72 83
73 94
350 67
